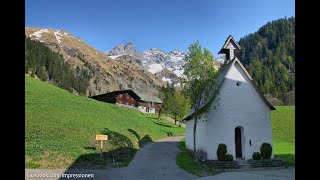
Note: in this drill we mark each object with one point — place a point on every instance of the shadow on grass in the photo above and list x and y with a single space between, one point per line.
118 151
90 148
154 118
289 159
146 139
134 133
169 134
161 124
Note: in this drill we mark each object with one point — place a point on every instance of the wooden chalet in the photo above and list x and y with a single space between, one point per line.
129 98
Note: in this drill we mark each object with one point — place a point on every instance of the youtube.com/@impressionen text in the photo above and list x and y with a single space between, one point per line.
59 175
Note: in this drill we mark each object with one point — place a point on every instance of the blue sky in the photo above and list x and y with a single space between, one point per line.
164 24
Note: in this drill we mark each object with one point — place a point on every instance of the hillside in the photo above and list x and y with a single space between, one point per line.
269 56
105 74
61 128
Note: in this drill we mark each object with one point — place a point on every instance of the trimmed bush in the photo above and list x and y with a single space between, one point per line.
229 157
266 150
222 151
201 155
256 155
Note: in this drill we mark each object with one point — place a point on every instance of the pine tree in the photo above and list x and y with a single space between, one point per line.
273 45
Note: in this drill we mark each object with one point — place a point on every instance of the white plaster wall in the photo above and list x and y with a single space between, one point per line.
201 135
189 134
152 110
239 106
143 109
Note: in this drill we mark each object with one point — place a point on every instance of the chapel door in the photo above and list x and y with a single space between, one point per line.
238 142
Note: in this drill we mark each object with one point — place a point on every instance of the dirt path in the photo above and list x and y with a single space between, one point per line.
155 160
172 120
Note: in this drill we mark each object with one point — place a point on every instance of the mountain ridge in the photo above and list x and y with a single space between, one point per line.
167 66
108 75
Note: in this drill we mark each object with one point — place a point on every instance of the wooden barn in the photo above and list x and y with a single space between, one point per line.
129 98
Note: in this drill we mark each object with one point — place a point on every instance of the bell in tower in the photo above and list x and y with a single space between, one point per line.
229 48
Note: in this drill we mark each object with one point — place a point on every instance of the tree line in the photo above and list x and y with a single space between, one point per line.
269 56
50 66
175 104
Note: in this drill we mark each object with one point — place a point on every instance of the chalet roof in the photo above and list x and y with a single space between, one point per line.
223 73
224 47
128 91
149 98
139 96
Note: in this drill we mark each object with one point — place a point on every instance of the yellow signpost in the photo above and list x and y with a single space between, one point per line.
102 138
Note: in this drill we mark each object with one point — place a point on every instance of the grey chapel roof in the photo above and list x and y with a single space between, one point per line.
223 73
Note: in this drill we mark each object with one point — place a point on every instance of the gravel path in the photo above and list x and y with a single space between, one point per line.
172 120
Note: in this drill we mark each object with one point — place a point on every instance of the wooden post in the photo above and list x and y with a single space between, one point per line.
101 147
101 138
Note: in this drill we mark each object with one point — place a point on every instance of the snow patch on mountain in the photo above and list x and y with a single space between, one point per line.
177 55
38 34
221 59
58 36
154 68
114 57
167 79
173 60
179 72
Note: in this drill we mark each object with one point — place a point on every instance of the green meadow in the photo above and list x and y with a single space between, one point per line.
61 127
283 132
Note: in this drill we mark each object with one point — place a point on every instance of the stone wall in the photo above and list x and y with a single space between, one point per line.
213 164
265 163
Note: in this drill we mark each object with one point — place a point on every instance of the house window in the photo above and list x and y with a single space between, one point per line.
238 83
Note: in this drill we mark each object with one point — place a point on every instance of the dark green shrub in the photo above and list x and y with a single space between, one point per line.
256 155
201 155
229 157
266 150
222 151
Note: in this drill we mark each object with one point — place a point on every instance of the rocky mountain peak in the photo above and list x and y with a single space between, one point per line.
166 66
127 49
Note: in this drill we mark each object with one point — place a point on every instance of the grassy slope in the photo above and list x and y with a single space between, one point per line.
283 132
185 160
61 127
